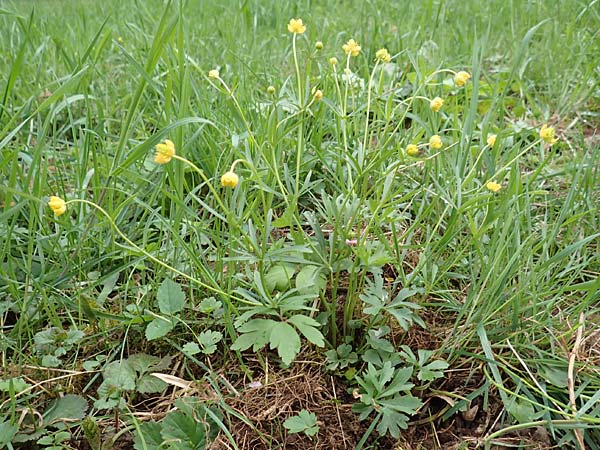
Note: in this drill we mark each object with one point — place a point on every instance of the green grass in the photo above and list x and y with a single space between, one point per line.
88 89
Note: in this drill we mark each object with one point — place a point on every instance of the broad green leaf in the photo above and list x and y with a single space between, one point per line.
303 422
309 329
171 298
433 370
158 328
209 340
286 340
18 385
311 279
70 407
149 384
188 433
256 334
279 276
148 436
120 375
191 349
7 432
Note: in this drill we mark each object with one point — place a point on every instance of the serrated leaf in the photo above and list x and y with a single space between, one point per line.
305 422
68 407
209 340
309 329
183 429
171 298
149 384
391 422
142 363
148 437
286 340
18 385
120 375
433 370
191 349
158 328
256 334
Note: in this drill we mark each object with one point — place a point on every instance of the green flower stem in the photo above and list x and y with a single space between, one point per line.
158 261
301 125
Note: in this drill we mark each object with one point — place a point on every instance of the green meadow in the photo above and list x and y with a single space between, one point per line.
260 224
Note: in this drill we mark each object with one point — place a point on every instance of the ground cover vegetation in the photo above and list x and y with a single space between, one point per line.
331 225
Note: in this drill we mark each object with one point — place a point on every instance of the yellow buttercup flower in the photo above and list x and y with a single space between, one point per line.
412 150
383 55
319 45
461 78
213 74
57 205
230 179
351 47
296 26
333 61
493 186
436 104
491 140
547 134
271 90
435 142
318 94
164 152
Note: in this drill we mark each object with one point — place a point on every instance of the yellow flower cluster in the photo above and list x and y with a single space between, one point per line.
318 94
296 26
214 74
333 61
493 186
351 48
383 55
436 104
435 142
230 179
58 205
461 78
412 150
164 152
547 134
491 140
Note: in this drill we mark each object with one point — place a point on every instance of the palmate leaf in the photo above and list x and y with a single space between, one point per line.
303 422
286 340
309 329
256 333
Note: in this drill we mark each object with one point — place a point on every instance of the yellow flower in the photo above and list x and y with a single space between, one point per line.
412 150
318 94
435 142
319 45
120 40
461 78
164 152
333 61
436 104
491 140
547 134
296 26
271 90
213 74
383 55
351 47
493 186
57 205
230 179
